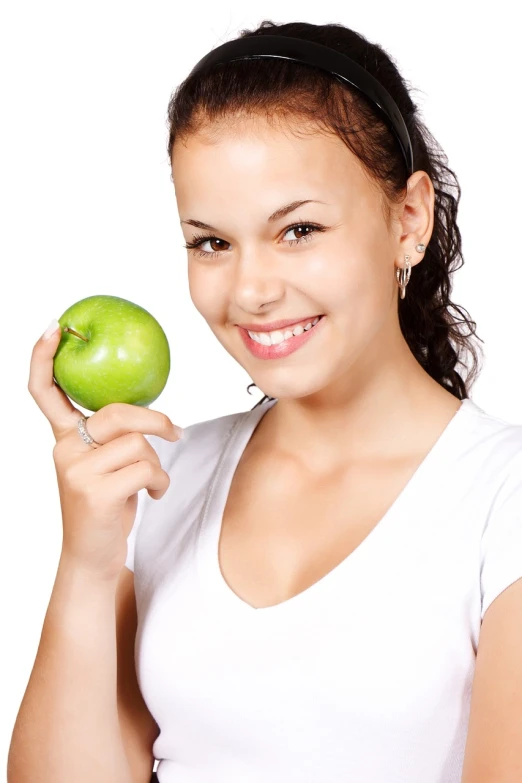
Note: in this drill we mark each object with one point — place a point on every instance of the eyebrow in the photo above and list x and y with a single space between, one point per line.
277 215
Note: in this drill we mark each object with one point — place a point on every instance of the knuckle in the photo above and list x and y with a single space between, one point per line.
148 470
165 421
152 454
136 440
59 452
70 475
113 411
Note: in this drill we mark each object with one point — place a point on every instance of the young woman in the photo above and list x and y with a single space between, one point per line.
330 588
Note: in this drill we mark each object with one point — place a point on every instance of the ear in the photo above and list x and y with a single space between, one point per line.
414 218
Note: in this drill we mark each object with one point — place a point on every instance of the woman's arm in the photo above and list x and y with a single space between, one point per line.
67 728
494 742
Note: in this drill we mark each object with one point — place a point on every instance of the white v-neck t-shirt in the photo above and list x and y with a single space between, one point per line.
365 676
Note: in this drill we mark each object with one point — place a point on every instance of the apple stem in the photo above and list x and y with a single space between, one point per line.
68 329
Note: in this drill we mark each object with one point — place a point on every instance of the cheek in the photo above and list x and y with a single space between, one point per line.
205 293
346 278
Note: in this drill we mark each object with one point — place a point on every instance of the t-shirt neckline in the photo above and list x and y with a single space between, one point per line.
216 589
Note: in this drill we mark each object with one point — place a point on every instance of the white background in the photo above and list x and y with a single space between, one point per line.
88 207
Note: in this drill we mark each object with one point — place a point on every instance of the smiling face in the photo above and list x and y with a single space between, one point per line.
339 261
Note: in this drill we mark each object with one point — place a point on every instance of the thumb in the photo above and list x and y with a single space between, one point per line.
51 400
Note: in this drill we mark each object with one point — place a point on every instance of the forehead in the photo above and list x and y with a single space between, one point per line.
255 152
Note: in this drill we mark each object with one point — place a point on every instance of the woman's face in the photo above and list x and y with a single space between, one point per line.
261 270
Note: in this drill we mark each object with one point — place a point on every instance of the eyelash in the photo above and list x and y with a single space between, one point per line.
199 239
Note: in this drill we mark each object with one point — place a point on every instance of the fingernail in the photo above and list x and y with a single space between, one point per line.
51 329
180 432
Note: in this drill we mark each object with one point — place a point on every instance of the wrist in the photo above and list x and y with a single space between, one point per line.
78 573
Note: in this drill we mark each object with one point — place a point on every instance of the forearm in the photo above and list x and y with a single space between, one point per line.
67 728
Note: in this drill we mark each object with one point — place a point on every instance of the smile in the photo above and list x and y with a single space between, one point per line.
286 343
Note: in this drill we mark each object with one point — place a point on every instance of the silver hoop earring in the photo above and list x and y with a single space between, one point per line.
403 276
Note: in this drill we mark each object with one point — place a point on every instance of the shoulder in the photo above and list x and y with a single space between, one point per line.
201 440
489 424
497 493
492 441
190 463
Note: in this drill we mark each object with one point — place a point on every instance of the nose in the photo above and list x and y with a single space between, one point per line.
256 281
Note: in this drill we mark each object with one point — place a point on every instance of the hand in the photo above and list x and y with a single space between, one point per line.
98 485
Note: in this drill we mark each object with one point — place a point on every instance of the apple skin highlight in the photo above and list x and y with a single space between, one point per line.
111 350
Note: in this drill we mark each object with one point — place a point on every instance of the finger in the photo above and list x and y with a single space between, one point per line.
119 453
126 450
51 400
119 418
140 475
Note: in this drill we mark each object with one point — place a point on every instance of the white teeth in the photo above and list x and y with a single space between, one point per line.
274 338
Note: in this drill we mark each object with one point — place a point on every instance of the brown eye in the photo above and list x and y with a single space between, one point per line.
199 241
299 229
196 245
214 241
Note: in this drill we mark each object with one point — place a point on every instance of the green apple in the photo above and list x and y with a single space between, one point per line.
111 350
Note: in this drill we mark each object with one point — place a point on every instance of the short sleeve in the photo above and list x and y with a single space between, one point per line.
144 499
131 539
501 551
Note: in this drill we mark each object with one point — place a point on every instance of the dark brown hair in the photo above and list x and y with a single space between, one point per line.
280 89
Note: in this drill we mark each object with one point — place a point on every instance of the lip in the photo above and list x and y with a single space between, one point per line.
274 325
282 349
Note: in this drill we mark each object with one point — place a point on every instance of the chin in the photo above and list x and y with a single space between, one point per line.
290 390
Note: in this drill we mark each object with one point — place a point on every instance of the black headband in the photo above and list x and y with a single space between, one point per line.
311 53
